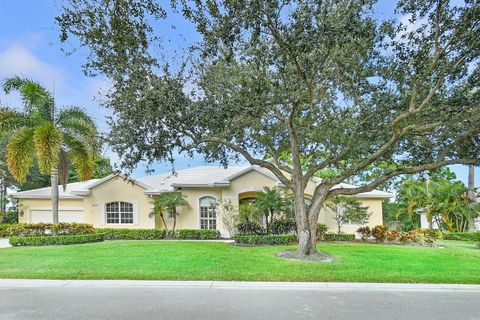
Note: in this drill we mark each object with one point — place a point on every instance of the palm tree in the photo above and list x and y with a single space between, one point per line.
269 202
159 209
471 195
169 202
55 139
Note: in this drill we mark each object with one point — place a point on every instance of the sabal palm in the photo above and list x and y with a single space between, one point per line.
268 202
169 202
55 138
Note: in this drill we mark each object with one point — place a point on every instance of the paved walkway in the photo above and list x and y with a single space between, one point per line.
4 243
172 300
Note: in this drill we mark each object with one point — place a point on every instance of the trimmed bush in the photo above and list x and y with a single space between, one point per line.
462 236
339 237
283 227
271 239
131 234
49 229
321 230
55 240
201 234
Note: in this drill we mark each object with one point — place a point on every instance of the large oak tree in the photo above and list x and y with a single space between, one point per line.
325 86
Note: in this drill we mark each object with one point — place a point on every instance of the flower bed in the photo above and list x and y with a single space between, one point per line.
381 234
271 239
55 240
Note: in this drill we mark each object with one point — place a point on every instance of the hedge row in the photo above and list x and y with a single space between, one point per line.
338 237
131 234
55 240
48 229
273 239
154 234
197 234
464 236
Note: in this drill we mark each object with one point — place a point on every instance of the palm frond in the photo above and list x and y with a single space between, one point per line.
81 156
75 121
35 97
11 120
21 154
48 140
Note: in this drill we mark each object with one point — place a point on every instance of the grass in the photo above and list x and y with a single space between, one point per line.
457 262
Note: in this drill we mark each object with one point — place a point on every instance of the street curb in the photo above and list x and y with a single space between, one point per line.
347 286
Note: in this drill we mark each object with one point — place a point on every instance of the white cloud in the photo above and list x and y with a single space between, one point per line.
19 60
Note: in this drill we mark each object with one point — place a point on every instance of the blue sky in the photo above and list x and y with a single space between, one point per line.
29 46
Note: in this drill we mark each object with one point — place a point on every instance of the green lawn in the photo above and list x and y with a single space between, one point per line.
458 262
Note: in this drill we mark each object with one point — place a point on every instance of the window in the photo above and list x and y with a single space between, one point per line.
208 213
119 212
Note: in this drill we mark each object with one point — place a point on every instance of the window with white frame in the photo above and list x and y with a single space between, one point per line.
119 212
208 213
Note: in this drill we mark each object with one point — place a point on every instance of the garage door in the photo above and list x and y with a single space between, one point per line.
63 216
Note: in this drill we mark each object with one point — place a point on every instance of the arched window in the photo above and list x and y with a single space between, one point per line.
208 213
119 212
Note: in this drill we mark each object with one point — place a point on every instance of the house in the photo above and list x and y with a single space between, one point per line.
116 202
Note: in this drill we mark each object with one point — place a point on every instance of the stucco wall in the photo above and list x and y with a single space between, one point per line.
118 189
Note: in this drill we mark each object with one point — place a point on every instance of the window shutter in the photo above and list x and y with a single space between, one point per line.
102 213
135 212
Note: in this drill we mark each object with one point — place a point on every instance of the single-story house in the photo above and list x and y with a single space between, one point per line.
115 202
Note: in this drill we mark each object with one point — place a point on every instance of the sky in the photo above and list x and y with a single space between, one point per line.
30 47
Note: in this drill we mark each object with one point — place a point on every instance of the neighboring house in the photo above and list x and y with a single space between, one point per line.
114 202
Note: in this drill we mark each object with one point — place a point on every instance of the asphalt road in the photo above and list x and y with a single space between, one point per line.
100 300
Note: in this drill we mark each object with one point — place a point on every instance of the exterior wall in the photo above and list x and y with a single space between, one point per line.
118 190
26 206
374 208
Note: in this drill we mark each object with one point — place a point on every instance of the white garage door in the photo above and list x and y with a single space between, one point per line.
63 216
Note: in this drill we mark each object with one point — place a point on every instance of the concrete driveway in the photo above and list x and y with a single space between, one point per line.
30 299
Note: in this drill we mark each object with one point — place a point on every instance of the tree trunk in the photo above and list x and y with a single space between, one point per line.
54 185
471 195
164 222
307 231
174 220
267 226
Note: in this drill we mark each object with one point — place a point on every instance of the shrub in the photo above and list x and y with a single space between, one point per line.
321 230
197 234
404 237
477 245
55 240
283 227
379 232
49 229
4 230
250 227
131 234
432 233
365 232
392 235
463 236
339 237
271 239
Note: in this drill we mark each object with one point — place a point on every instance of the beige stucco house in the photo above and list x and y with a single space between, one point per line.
114 202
